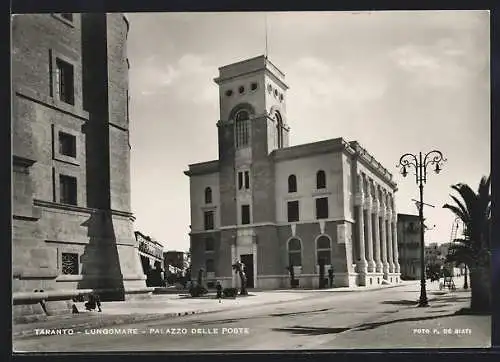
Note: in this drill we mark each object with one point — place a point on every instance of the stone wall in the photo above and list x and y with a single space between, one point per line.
43 227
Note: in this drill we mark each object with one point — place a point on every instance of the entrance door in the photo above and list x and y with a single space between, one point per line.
247 259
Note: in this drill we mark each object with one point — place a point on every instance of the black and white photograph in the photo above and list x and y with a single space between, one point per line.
251 181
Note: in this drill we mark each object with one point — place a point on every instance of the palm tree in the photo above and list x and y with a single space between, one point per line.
474 249
239 267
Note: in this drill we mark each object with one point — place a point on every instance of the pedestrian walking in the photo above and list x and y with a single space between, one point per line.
330 277
219 291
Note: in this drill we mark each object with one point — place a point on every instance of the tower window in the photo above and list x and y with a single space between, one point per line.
247 180
229 93
322 208
209 220
241 89
245 214
65 81
275 92
279 130
240 180
67 144
293 211
269 88
281 97
208 195
242 128
254 86
67 190
320 179
292 183
243 180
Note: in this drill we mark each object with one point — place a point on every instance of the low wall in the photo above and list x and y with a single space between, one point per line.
32 306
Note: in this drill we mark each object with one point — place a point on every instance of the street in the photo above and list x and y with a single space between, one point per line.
386 318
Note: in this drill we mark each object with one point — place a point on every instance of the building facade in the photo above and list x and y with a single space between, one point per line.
72 220
273 206
150 251
175 259
409 246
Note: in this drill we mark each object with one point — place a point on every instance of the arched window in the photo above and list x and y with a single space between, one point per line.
242 120
294 252
324 250
320 179
292 183
208 195
279 130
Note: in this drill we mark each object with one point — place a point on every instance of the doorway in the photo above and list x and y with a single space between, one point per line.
247 259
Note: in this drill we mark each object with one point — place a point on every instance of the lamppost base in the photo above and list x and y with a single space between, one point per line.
423 304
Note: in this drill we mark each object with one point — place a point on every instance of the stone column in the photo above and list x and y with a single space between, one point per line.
383 239
397 268
362 267
376 235
390 253
367 206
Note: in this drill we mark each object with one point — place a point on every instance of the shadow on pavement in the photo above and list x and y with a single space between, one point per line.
468 311
213 296
311 331
296 313
440 305
368 326
401 302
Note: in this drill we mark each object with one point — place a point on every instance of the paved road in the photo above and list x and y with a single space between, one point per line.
374 319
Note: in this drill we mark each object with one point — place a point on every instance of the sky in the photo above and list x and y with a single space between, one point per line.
396 82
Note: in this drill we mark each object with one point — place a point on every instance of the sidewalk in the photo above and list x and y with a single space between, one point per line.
440 325
170 305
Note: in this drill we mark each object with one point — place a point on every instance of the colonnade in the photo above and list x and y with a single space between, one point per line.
377 223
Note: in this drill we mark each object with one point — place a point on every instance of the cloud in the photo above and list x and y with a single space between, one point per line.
445 63
187 79
321 83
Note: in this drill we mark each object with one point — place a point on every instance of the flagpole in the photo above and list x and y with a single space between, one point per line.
265 20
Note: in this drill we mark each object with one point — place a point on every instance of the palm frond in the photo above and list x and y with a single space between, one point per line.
462 207
467 194
457 211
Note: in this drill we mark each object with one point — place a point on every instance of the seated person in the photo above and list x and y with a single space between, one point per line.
94 301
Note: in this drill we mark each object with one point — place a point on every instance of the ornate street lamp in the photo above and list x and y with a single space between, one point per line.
420 163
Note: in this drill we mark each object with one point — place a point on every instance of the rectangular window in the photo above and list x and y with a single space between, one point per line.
293 211
247 180
240 180
209 220
67 190
69 263
65 81
245 214
67 144
322 208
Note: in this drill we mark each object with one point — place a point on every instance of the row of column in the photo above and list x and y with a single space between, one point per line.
377 241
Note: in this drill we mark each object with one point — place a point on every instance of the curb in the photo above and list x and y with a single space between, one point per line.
137 318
